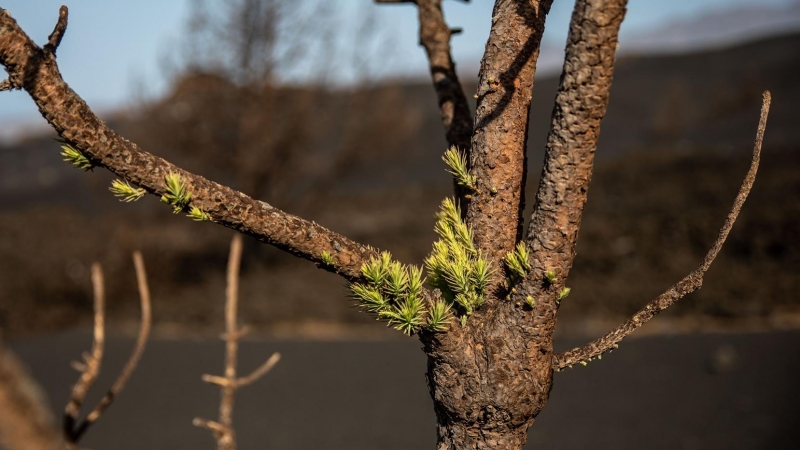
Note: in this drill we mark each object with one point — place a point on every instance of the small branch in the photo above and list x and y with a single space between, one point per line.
138 349
689 284
92 362
7 85
434 36
223 430
75 122
210 425
260 372
54 40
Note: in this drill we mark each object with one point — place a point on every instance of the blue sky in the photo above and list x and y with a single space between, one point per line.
112 48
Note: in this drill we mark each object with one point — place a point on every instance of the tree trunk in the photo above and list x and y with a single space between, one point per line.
489 379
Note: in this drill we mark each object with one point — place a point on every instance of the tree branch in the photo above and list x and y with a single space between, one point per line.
434 36
92 362
229 384
36 71
136 354
54 40
688 284
501 127
580 106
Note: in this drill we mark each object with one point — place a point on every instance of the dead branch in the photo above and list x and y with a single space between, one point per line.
92 361
229 384
688 284
74 433
36 71
25 419
54 40
500 133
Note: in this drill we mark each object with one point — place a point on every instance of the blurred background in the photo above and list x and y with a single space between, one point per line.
325 110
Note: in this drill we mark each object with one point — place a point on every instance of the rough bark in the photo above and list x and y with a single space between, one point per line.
580 106
36 71
490 379
500 133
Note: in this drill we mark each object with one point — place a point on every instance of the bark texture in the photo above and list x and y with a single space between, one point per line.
580 106
500 134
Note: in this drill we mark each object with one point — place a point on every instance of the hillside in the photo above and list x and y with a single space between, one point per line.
672 152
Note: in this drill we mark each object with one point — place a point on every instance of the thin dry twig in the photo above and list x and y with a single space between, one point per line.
54 40
92 361
223 429
688 284
72 432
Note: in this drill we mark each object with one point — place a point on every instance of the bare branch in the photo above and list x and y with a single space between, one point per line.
7 85
136 354
54 40
434 36
25 419
499 141
37 72
260 372
92 361
580 106
223 430
688 284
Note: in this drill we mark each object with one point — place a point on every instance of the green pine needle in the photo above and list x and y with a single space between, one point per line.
440 315
530 301
551 277
177 194
198 215
327 258
369 298
75 157
457 162
517 260
125 192
563 294
408 316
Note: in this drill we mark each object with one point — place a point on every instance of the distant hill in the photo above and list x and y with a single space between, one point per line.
672 152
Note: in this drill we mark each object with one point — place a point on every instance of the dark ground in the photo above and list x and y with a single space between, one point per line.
713 391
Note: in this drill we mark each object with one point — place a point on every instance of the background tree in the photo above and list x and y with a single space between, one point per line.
490 371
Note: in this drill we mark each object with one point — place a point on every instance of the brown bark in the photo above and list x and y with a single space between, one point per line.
36 71
491 379
500 132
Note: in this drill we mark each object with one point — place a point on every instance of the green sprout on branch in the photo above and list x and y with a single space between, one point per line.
177 194
74 156
440 315
550 277
393 292
562 295
455 266
517 261
530 301
198 215
125 192
327 258
457 162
